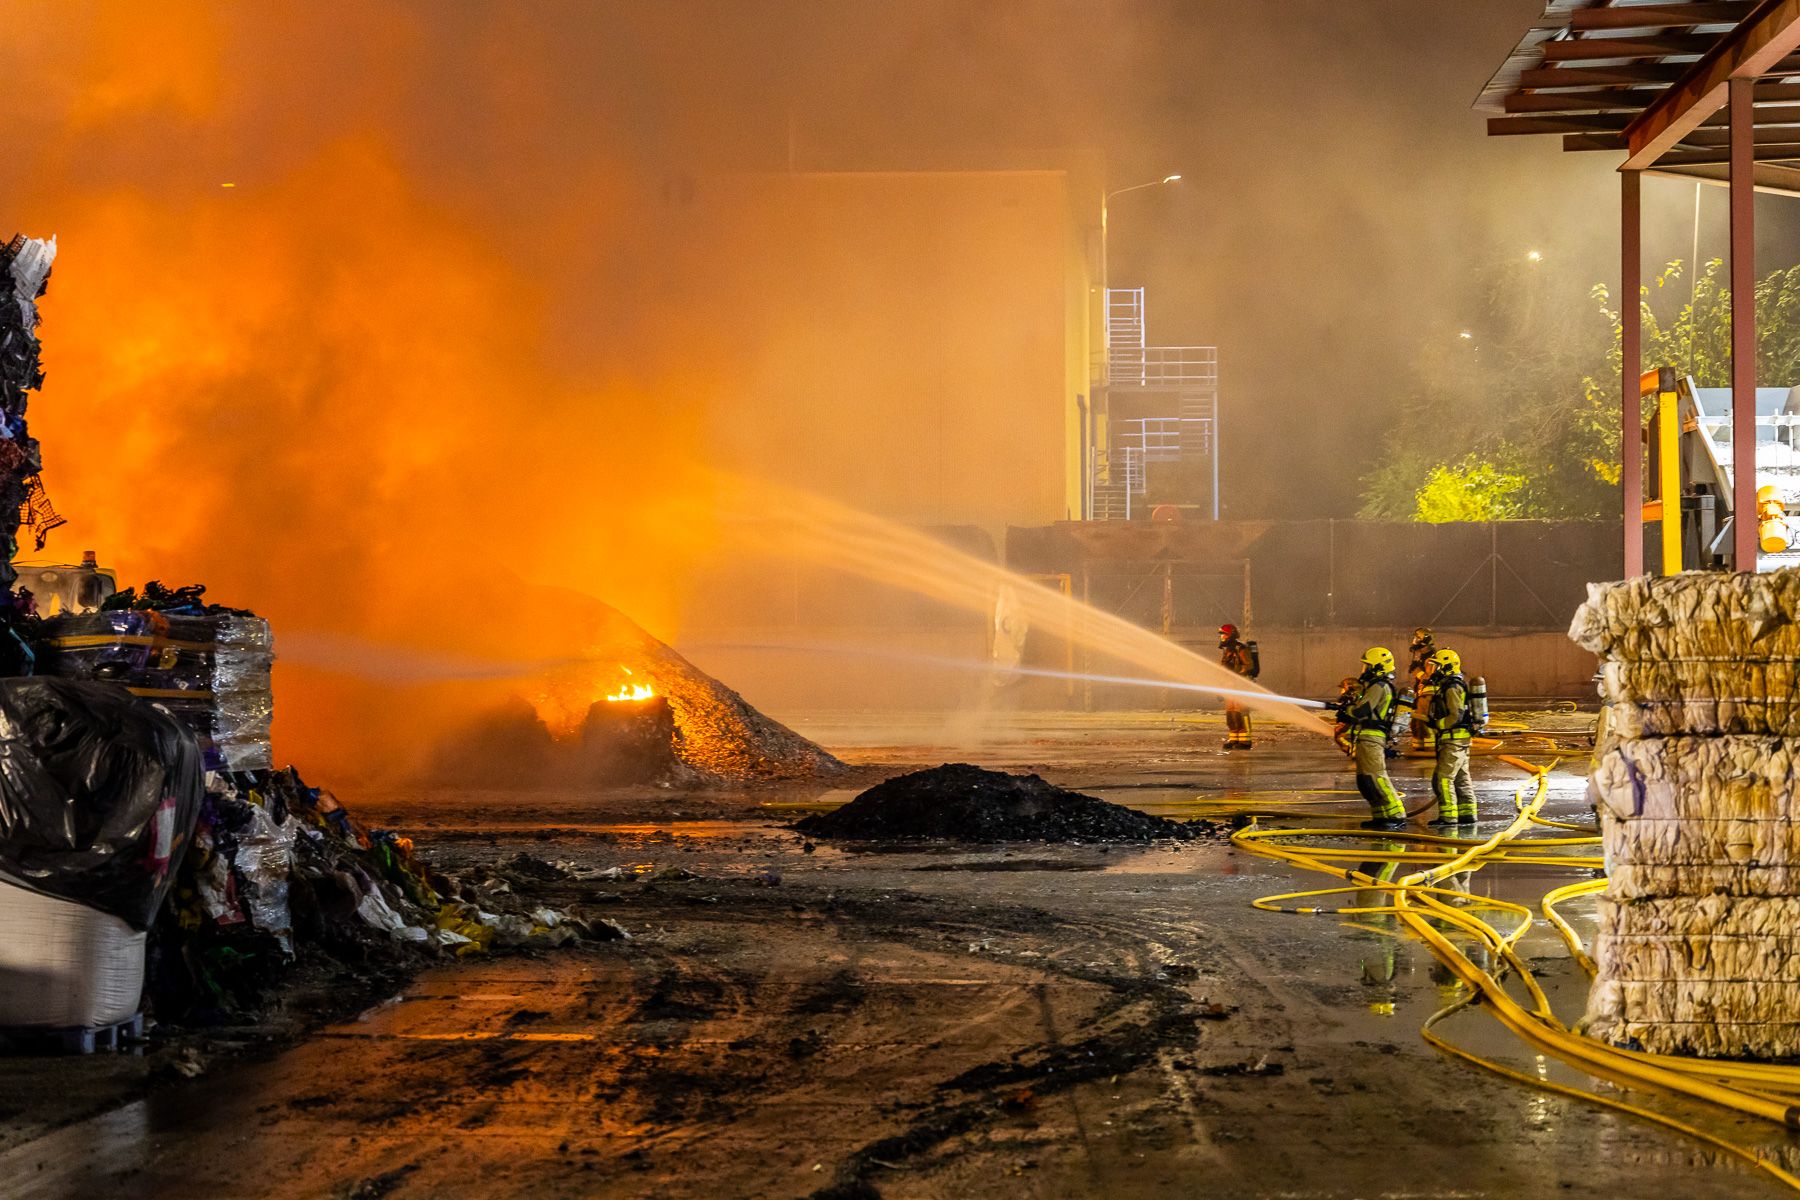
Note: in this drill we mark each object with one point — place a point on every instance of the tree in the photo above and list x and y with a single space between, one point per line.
1522 412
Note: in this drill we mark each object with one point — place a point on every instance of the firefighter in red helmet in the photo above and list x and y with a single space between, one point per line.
1240 656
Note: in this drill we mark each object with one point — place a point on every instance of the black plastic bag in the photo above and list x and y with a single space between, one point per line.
99 792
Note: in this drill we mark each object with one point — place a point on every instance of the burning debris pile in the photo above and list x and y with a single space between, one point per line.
628 710
1698 790
962 803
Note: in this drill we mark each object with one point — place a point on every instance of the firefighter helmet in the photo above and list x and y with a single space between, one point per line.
1421 637
1381 658
1447 660
1228 630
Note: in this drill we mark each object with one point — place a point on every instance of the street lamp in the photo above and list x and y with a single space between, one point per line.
1088 430
1105 200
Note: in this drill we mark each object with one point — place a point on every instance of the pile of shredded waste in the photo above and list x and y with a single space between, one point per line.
963 803
280 878
571 729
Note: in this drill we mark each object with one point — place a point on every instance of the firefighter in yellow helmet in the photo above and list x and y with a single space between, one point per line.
1453 720
1241 656
1370 715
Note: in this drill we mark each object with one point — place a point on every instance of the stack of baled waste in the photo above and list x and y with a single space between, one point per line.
1698 787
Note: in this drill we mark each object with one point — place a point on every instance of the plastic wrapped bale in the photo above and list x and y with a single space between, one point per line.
1693 815
1703 975
1700 616
1703 696
212 671
1695 785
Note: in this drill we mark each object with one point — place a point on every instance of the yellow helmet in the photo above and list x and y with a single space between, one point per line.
1447 660
1379 657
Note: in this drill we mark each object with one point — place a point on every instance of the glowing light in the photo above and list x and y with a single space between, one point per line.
631 692
1467 335
1170 178
228 185
1534 256
635 691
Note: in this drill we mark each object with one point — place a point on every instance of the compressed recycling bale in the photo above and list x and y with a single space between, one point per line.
1632 881
1651 959
1702 696
1698 974
1686 815
1725 1001
1703 1039
1698 937
1696 616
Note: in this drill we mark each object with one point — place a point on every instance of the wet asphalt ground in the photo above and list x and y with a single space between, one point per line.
792 1018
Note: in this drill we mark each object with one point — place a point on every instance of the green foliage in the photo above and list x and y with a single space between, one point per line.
1472 490
1521 420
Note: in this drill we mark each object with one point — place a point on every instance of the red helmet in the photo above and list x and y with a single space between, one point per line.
1228 631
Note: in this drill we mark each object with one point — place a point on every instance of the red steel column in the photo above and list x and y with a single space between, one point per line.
1631 343
1743 326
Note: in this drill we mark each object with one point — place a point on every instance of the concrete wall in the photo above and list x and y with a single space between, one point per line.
1310 662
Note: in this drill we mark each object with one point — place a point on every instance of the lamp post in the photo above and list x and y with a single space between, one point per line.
1088 430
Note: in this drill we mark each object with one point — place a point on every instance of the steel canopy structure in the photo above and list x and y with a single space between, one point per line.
1708 89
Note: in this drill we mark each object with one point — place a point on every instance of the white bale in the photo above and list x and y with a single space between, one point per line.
64 965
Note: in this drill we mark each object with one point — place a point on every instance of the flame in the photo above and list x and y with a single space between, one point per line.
635 691
629 691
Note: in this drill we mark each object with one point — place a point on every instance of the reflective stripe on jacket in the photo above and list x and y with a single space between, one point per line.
1449 715
1373 708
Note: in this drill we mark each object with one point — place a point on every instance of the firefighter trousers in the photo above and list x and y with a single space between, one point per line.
1237 725
1372 777
1450 782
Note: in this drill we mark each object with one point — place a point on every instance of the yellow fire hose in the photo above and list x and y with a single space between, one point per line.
1762 1090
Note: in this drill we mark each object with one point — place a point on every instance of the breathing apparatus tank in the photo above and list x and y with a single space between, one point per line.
1478 709
1400 720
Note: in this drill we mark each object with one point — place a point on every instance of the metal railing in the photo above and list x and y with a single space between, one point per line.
1163 366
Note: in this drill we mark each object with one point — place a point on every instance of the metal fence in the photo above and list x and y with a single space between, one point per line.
1514 575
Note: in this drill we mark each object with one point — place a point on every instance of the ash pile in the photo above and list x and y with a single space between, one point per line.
630 710
959 802
1698 791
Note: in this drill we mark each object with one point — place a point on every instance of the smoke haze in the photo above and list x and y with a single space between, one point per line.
435 334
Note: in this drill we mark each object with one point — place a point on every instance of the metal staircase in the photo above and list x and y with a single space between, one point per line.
1183 380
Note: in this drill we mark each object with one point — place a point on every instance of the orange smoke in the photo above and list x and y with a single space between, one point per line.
325 391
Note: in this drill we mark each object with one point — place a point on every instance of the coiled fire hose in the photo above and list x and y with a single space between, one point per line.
1766 1091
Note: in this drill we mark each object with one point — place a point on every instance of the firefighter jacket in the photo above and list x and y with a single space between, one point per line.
1241 656
1371 710
1449 714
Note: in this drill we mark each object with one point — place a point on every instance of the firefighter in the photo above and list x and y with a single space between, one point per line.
1423 646
1240 656
1453 720
1370 715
